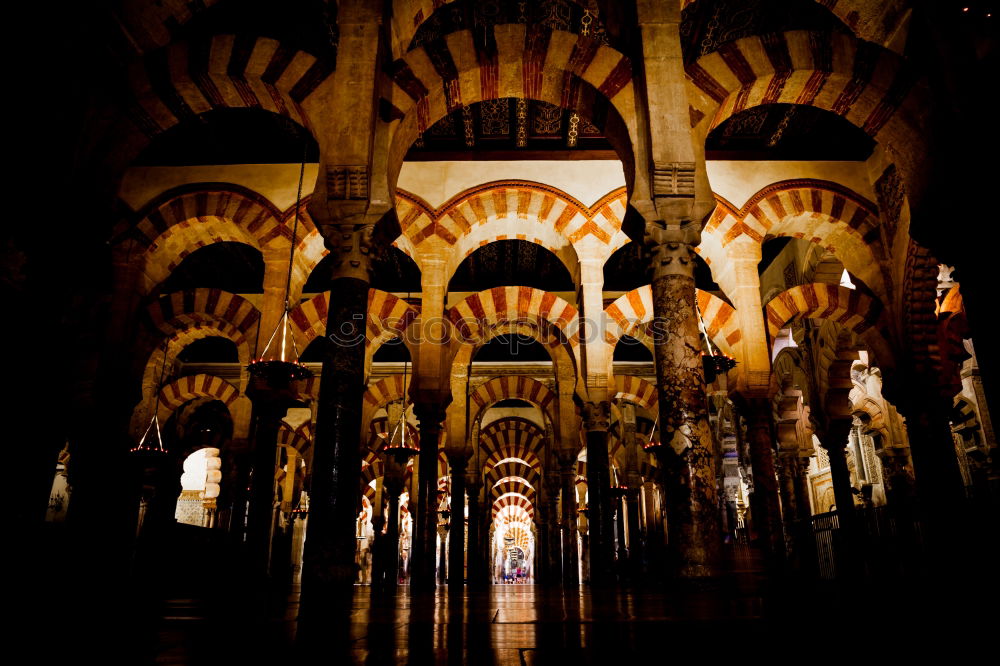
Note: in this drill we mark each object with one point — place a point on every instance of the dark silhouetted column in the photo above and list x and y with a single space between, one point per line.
456 542
425 522
329 568
765 507
567 470
596 420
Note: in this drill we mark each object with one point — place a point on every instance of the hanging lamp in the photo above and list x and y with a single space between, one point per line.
617 488
654 443
146 443
398 440
286 366
714 363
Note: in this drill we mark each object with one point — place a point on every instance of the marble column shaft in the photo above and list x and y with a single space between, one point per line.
269 409
835 443
795 515
456 542
621 567
553 560
567 470
939 483
766 510
442 554
634 535
329 558
394 471
634 482
425 522
477 559
601 526
688 452
541 555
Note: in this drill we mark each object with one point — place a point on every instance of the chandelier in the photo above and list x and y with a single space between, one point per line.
714 363
398 440
152 440
284 366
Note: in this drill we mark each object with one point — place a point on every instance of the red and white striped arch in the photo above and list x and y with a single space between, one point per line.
631 311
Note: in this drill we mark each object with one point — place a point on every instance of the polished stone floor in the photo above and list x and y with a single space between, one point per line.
99 611
527 624
502 624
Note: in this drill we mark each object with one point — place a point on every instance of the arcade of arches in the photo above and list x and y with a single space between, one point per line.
577 292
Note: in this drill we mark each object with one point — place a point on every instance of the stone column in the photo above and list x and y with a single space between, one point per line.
634 533
159 474
585 545
380 564
90 408
618 511
939 484
329 566
567 471
787 468
899 493
765 508
596 420
655 546
456 543
688 453
835 443
425 519
477 559
897 479
271 401
802 490
541 531
553 564
795 515
442 553
633 482
393 484
805 537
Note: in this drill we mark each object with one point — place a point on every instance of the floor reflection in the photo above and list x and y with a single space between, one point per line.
501 624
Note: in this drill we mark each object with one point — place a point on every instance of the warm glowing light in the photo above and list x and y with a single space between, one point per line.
514 479
516 460
195 470
203 472
845 280
513 494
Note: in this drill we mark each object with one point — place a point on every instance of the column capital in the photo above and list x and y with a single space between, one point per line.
628 415
836 433
473 481
458 459
393 484
597 416
350 245
567 463
670 247
430 414
757 409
